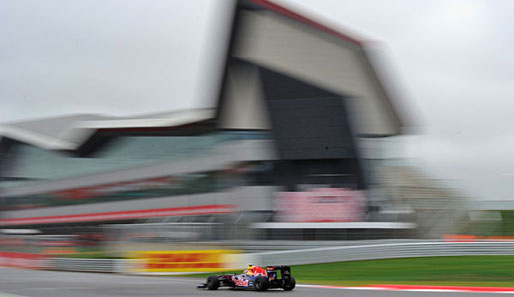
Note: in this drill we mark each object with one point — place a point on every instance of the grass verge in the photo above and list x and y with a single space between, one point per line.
492 271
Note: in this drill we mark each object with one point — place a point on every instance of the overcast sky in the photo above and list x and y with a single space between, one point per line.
451 60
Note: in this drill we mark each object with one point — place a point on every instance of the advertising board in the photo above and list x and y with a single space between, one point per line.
182 261
320 205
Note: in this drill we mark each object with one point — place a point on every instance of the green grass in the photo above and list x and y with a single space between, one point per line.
494 271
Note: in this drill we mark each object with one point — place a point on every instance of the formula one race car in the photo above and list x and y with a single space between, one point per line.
257 278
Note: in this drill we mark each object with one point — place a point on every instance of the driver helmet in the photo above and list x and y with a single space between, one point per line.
249 271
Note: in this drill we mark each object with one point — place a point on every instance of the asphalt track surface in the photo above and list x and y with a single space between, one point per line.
36 283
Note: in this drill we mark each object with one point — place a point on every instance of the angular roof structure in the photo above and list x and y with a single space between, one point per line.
70 132
265 38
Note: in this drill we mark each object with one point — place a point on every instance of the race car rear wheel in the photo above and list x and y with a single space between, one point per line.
261 284
213 283
289 285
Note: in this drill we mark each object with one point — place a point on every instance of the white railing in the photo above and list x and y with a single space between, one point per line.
319 255
383 251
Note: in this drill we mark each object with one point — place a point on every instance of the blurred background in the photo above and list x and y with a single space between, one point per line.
132 128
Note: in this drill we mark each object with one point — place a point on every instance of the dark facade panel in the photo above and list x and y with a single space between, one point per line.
308 122
310 128
279 86
312 132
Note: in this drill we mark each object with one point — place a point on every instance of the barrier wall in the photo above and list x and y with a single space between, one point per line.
384 251
22 260
233 260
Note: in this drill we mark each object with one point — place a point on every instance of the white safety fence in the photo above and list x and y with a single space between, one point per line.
86 265
317 255
382 251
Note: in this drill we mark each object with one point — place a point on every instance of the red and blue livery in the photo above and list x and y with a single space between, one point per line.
254 278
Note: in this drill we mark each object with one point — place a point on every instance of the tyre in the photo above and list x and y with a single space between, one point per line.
261 284
213 283
289 285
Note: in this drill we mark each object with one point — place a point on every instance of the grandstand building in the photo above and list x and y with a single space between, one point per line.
296 102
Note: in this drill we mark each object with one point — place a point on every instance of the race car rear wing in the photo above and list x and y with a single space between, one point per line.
285 271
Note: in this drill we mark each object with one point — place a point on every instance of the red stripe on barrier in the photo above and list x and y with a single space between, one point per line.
130 214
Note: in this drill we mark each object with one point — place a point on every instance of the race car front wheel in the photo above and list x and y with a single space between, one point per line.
261 284
288 286
213 283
